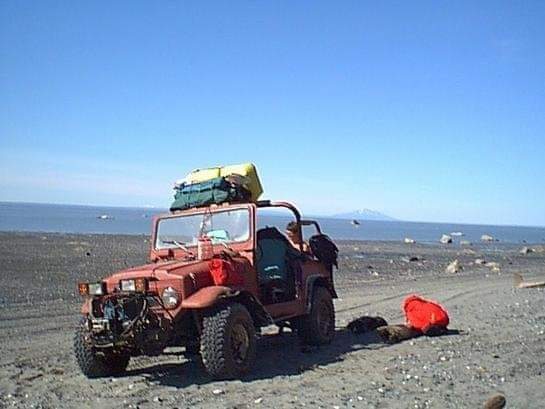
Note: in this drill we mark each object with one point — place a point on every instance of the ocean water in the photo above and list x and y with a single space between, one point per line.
31 217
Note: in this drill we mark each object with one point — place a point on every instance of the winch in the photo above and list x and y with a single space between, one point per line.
127 322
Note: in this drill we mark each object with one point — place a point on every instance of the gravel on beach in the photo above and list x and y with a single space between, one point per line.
500 348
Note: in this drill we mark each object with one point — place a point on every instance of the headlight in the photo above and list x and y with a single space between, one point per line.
92 288
136 285
170 297
128 285
97 289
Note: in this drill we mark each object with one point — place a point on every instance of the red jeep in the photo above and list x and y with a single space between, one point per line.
213 307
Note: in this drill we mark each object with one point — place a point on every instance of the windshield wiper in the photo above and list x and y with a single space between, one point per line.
179 245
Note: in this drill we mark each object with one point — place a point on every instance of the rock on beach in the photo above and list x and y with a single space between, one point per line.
453 267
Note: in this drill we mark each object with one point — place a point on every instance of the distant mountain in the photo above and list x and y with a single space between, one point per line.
364 214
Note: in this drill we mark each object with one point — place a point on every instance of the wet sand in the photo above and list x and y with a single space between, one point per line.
500 349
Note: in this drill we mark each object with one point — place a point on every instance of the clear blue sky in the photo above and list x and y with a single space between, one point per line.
429 111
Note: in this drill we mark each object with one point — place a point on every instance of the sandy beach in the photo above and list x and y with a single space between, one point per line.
501 347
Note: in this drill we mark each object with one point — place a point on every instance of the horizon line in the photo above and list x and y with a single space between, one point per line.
147 207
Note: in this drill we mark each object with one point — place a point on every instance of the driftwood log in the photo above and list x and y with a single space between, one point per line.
393 334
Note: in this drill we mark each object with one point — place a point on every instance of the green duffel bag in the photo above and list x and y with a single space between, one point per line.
213 191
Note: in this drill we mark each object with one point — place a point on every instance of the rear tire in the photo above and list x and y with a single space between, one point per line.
318 327
228 341
96 364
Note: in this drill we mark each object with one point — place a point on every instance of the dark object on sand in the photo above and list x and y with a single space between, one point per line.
366 324
435 330
410 259
495 402
393 334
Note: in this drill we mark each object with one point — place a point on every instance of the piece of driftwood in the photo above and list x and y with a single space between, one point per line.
520 283
393 334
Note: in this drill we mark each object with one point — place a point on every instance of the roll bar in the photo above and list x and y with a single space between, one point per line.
310 223
300 222
269 203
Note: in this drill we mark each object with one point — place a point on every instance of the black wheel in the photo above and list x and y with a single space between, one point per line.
318 327
95 364
193 348
228 341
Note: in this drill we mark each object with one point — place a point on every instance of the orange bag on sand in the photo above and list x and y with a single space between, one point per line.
422 314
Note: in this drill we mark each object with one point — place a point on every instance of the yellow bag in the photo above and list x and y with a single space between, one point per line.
249 173
249 178
202 175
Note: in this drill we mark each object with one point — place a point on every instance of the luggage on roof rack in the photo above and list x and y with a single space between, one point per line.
244 174
213 191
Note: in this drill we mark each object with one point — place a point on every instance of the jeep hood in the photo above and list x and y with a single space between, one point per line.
164 269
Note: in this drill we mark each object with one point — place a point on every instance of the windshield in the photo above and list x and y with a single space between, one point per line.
231 226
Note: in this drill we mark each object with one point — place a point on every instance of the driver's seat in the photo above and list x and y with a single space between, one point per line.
274 270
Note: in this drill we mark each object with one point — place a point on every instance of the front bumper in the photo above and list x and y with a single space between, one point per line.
132 322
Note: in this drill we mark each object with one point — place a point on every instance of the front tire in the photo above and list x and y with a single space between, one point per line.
318 327
96 364
228 341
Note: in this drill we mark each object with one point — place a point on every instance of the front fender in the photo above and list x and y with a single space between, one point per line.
206 297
